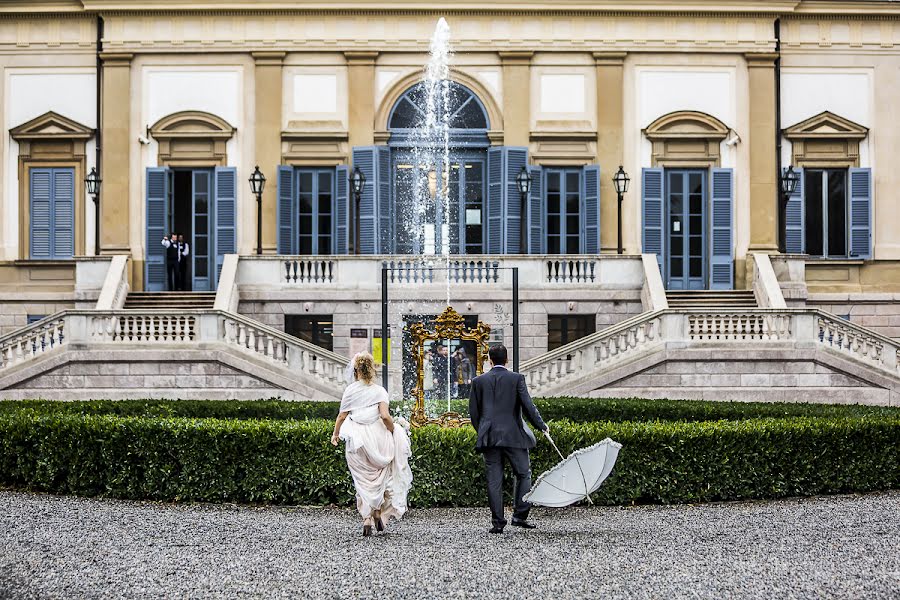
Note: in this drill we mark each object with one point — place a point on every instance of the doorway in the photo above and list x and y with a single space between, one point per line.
190 216
685 229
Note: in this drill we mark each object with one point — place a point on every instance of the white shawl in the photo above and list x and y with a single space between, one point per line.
361 395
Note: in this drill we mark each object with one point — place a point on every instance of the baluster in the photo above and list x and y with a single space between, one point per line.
242 335
270 346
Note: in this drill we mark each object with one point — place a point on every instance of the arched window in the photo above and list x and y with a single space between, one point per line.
463 106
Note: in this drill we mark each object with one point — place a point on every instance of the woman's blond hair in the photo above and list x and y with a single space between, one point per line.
364 367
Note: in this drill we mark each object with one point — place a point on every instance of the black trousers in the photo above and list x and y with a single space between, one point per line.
174 274
521 465
182 274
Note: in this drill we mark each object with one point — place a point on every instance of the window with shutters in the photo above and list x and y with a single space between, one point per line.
52 213
826 212
563 199
315 211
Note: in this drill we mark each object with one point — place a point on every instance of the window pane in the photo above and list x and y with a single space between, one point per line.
676 267
306 204
202 246
572 225
324 182
696 206
315 329
572 182
201 265
572 204
552 224
814 216
552 182
837 213
553 244
696 244
201 204
305 244
324 244
696 267
304 182
572 246
306 225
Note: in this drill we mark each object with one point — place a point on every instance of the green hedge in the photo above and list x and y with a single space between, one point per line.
583 410
291 461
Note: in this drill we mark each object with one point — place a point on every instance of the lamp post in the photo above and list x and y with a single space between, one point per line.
523 182
357 184
620 180
789 180
257 185
92 182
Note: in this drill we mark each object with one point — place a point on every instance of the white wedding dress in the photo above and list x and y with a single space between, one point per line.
378 460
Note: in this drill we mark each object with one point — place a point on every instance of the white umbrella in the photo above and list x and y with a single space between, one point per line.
576 477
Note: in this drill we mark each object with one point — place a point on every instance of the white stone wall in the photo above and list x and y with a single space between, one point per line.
30 92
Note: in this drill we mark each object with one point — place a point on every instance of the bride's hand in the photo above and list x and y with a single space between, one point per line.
334 439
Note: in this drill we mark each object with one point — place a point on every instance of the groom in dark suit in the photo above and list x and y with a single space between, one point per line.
497 401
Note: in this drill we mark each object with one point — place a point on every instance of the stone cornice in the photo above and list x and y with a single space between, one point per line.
360 57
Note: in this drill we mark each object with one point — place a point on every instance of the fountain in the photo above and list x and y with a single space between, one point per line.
427 197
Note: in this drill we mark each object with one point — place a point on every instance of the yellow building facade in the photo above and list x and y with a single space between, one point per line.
665 89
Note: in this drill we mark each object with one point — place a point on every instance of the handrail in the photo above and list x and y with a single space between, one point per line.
589 340
623 326
31 327
286 337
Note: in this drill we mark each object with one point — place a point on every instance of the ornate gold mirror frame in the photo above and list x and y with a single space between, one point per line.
450 325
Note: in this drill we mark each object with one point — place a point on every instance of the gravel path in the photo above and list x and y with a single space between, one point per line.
835 547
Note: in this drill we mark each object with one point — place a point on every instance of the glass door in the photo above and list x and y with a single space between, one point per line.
424 224
685 232
201 243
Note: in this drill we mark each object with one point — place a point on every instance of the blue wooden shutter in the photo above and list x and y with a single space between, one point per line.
341 210
590 219
536 212
516 160
382 187
722 258
157 222
504 203
41 193
495 201
861 213
287 211
226 214
795 218
365 158
652 207
63 213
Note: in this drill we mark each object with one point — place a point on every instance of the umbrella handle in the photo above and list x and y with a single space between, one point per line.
552 443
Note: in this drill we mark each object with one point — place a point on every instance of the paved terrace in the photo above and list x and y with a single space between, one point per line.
836 547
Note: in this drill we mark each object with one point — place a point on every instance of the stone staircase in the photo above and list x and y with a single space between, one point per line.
721 299
169 301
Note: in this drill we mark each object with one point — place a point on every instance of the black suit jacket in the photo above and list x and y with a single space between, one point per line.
497 401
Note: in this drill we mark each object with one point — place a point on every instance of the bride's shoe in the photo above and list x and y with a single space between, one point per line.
379 524
367 528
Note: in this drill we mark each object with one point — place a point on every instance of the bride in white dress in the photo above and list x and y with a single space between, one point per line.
377 451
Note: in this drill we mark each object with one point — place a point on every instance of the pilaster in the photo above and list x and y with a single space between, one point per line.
361 94
763 176
267 121
610 132
115 120
516 98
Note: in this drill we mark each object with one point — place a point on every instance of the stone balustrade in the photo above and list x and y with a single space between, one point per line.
364 272
650 331
120 330
33 341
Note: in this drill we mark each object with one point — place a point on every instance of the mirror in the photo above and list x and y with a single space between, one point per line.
446 359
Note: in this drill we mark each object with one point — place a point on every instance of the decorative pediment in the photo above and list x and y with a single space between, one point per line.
51 126
192 138
686 124
192 124
826 125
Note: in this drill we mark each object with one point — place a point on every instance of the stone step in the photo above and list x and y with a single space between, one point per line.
711 299
169 301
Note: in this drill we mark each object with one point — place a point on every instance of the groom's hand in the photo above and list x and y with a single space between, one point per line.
334 439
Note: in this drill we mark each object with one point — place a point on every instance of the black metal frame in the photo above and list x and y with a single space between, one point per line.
385 332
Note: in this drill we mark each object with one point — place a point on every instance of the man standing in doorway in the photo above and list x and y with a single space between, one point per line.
172 263
184 251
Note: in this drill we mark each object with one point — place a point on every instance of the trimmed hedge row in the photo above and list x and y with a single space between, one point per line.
583 410
291 461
